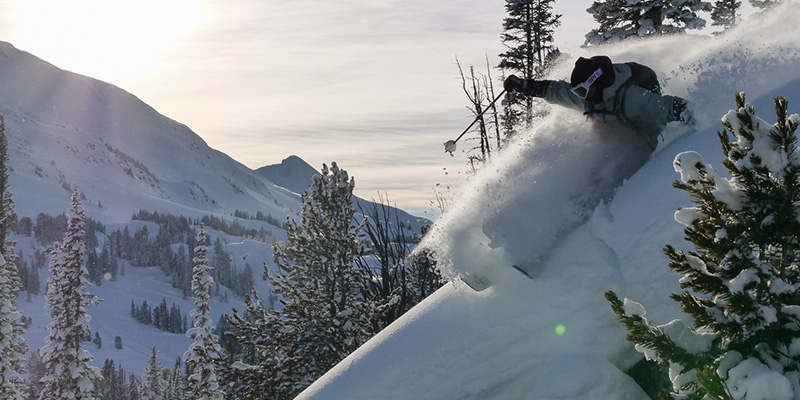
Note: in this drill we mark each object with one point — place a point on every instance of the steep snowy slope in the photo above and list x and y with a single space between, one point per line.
555 337
68 131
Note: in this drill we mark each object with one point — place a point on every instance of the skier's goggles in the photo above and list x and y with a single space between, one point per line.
582 89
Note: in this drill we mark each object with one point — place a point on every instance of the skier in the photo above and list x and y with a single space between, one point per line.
626 101
628 93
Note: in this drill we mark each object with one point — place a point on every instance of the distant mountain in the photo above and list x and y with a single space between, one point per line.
295 174
292 173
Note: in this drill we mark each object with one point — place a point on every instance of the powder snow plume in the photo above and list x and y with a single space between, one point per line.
545 184
517 208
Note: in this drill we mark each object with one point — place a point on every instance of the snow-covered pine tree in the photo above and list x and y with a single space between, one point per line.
765 5
36 370
725 13
622 19
260 369
68 374
528 38
323 318
743 278
174 382
13 345
203 353
152 383
318 278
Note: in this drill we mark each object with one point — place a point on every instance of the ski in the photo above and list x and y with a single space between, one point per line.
482 279
528 274
477 281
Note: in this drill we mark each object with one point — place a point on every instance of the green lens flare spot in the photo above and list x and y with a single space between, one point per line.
560 329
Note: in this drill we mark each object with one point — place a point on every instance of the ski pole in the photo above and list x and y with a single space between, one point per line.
450 145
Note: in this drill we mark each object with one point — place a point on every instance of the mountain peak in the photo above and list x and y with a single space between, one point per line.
292 173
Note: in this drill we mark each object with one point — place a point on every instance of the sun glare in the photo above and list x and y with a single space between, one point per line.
102 38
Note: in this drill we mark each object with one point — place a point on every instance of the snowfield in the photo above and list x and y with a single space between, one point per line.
555 337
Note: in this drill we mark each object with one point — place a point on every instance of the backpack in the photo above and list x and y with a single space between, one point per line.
644 77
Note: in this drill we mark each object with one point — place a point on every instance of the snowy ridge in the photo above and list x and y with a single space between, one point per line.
69 131
555 337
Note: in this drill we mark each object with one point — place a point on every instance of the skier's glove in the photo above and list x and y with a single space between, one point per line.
514 84
530 87
681 111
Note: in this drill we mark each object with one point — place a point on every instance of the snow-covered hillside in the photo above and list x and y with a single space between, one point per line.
555 337
67 131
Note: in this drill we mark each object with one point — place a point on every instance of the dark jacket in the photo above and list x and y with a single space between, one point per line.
615 99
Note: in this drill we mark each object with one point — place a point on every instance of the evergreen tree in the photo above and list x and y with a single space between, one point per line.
68 374
36 370
132 388
13 345
322 319
152 383
724 13
623 19
528 38
742 280
263 368
97 340
109 387
318 278
221 261
765 5
200 359
174 383
246 282
33 281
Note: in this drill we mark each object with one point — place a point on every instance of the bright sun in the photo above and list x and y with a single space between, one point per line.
107 39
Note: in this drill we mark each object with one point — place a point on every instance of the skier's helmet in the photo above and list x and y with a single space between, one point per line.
584 68
584 75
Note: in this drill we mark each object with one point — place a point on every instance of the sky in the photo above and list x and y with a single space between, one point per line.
371 85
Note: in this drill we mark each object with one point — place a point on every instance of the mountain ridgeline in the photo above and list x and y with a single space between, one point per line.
68 131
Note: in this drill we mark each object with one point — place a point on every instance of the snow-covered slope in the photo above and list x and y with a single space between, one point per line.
68 131
555 337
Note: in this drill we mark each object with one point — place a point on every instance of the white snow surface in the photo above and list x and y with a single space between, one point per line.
555 337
